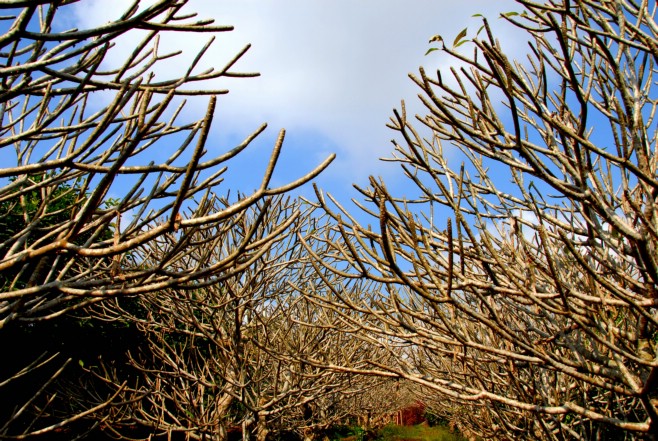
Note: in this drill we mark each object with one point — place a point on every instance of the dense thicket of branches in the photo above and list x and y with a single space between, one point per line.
107 193
234 353
515 293
520 287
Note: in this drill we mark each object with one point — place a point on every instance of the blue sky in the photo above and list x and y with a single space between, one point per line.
331 73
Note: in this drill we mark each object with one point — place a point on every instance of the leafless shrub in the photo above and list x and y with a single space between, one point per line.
523 282
243 351
67 241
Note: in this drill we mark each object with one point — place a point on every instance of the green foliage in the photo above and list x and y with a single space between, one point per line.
434 419
419 432
357 432
33 213
37 202
462 36
35 210
345 432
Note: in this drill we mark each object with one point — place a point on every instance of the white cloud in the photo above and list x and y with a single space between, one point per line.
335 68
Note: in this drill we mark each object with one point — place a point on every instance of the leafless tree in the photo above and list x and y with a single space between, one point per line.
522 284
68 242
239 352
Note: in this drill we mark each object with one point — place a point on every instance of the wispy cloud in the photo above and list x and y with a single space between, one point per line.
330 70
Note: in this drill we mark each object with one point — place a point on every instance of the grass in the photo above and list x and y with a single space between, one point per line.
420 432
